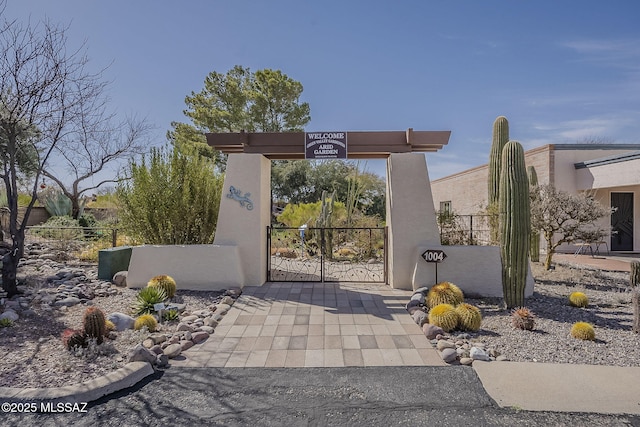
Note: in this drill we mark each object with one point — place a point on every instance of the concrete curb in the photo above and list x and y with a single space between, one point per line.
87 391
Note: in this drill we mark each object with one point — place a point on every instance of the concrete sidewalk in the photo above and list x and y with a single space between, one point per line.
562 387
606 263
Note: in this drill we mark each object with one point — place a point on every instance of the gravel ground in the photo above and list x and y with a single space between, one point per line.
32 353
609 311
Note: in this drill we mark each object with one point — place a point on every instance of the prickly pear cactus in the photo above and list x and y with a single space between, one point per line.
515 223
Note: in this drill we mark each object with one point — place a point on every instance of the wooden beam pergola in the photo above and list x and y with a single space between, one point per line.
360 144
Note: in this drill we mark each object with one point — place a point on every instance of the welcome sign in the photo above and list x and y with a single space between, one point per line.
325 145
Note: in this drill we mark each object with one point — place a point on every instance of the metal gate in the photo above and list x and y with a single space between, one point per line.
327 254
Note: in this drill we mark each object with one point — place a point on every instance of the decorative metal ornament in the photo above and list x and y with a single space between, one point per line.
236 194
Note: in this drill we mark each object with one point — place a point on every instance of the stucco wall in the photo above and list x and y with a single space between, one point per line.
466 190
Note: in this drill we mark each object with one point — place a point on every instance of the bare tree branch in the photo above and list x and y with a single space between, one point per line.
47 94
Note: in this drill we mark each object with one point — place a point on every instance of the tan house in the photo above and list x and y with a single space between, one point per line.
609 172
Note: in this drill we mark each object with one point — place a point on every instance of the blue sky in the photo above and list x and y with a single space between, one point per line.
560 71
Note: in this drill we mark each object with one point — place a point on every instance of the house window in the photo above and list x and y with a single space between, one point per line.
445 207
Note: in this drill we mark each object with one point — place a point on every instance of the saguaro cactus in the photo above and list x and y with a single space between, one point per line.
534 246
500 139
324 221
515 220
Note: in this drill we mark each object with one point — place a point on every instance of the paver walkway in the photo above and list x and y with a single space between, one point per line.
315 325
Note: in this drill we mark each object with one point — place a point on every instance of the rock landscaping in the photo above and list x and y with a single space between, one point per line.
547 336
54 297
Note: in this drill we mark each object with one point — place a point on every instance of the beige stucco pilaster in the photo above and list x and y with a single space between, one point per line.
410 215
246 226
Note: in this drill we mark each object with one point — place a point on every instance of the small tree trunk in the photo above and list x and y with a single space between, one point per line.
9 268
635 301
547 260
634 276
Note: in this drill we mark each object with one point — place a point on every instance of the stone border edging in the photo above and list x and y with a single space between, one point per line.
88 391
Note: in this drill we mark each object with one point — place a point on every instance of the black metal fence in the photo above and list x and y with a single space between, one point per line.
464 229
72 242
327 254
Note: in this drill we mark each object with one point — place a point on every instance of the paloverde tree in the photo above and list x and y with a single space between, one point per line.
44 90
240 100
562 216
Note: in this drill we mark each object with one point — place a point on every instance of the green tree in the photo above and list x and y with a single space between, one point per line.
171 198
301 181
561 216
264 101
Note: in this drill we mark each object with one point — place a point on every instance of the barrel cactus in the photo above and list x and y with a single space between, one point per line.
165 283
444 316
523 318
94 324
72 338
146 320
515 223
111 327
444 293
578 299
583 331
469 317
534 246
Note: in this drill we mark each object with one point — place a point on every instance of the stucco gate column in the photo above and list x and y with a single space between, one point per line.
410 216
245 213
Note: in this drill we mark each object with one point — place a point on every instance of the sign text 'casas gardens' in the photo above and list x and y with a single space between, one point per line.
325 145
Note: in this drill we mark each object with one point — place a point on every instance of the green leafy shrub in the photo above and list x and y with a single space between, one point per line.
5 323
59 228
171 315
147 298
172 198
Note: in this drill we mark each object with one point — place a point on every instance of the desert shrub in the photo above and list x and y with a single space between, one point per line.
172 198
